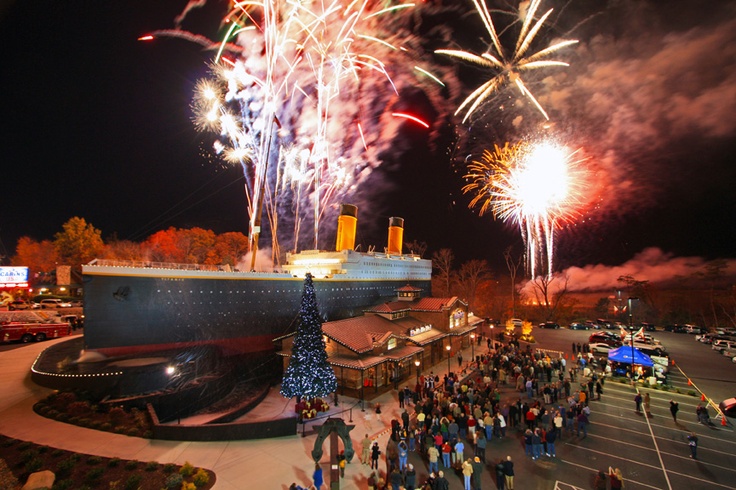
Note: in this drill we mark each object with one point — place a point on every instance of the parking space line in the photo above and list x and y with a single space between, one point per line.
643 464
634 482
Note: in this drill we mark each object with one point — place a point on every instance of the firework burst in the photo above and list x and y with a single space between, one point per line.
507 66
288 99
535 186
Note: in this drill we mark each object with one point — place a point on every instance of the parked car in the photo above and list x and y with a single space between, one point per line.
54 303
592 324
692 329
549 325
648 327
675 328
21 304
601 347
605 338
579 326
517 322
721 344
728 406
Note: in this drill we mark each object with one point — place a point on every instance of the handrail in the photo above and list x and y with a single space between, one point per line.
304 421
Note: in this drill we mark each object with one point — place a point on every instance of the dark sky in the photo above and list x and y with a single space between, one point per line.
97 124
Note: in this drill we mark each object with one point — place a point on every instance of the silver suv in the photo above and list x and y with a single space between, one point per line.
54 303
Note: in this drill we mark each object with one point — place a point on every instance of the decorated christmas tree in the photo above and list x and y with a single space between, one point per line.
309 374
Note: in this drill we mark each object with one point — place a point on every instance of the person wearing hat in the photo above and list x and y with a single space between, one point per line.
477 473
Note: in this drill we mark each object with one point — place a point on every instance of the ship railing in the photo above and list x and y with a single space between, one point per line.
147 264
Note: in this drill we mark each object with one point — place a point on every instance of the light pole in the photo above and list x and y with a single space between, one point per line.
417 363
472 347
449 348
631 333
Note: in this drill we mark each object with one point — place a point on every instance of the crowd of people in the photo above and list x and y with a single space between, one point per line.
452 421
455 416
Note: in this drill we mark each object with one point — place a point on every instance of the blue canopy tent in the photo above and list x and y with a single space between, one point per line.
624 354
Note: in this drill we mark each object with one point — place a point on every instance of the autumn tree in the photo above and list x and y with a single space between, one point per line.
123 250
164 246
39 257
231 247
78 243
442 261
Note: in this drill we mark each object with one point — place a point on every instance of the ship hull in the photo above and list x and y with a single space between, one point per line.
133 312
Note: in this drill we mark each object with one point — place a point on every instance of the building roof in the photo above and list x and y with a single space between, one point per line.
420 304
360 333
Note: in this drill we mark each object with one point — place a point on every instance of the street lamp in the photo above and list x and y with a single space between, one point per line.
472 347
631 333
449 348
417 363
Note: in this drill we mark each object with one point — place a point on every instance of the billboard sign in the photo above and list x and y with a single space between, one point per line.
13 277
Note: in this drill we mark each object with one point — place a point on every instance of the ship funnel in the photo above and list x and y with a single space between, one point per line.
346 224
395 235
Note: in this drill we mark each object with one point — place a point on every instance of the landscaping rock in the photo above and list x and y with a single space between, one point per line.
39 480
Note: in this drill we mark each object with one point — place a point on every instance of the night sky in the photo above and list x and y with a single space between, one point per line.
97 124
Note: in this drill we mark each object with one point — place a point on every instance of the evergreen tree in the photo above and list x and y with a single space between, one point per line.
309 374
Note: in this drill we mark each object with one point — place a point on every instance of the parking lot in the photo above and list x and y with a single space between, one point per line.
653 452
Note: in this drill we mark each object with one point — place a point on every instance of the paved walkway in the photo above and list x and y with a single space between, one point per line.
262 464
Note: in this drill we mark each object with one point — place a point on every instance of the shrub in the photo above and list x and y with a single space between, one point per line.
63 400
94 475
28 455
52 414
188 486
169 468
65 467
43 449
106 426
24 445
62 485
57 452
7 442
79 409
33 465
84 422
114 485
96 424
201 478
94 460
117 415
62 417
186 470
113 462
174 480
691 393
131 465
132 431
152 466
133 482
42 409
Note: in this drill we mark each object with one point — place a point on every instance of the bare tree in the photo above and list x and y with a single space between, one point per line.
416 247
513 265
549 292
471 274
442 261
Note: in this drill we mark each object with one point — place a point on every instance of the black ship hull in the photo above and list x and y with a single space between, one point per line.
134 313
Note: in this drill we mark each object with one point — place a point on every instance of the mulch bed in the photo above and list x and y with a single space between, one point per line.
18 459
